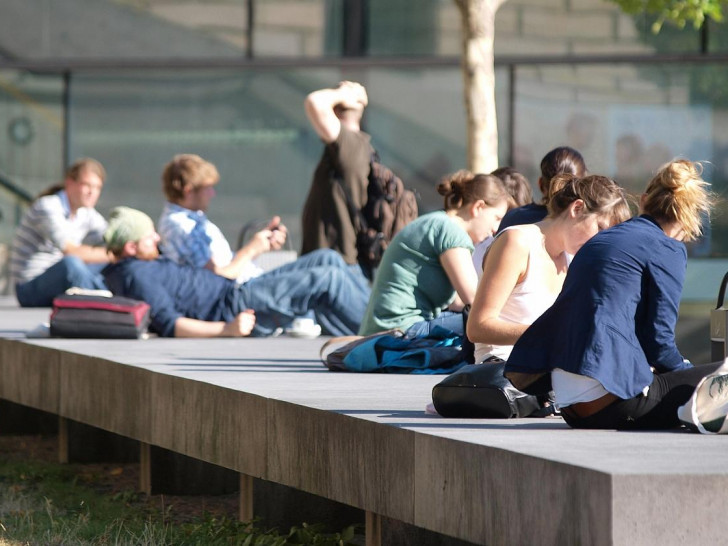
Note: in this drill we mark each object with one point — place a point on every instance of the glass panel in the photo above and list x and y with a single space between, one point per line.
298 28
395 28
253 127
560 27
31 133
34 29
717 36
627 121
503 107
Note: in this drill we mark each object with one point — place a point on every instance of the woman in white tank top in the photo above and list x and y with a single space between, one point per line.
525 267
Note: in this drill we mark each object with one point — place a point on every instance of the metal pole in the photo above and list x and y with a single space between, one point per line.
249 30
66 119
511 114
355 14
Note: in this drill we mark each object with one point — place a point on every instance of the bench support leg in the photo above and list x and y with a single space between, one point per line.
145 468
373 529
63 440
246 498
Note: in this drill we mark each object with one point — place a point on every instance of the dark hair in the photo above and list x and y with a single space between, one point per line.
463 188
561 160
601 195
516 184
677 193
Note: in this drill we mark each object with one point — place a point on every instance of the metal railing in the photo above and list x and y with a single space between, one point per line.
21 196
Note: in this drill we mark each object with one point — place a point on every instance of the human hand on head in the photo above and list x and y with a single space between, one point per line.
241 326
354 95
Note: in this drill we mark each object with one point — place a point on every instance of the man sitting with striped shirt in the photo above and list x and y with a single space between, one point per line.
59 243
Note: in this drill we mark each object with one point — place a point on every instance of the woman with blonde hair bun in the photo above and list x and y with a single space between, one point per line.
607 344
426 275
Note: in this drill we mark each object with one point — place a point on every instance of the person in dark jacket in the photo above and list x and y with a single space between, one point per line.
188 301
561 160
608 342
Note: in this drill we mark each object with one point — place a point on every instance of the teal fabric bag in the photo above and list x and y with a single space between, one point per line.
438 353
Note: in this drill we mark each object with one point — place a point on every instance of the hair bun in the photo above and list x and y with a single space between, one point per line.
677 193
453 184
444 187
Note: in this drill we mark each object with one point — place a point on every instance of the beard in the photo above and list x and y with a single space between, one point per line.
149 254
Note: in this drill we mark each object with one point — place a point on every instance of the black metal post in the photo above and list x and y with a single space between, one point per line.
356 22
66 119
705 37
249 30
511 114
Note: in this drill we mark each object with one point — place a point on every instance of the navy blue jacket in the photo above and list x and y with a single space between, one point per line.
527 214
616 314
173 291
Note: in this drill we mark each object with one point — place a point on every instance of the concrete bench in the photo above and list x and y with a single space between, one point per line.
268 409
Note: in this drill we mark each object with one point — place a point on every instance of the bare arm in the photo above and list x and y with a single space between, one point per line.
458 265
320 104
87 253
271 238
504 267
240 326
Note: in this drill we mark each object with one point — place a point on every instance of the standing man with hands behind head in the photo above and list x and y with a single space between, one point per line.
57 243
335 115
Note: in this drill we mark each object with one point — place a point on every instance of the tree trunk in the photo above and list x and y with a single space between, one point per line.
478 18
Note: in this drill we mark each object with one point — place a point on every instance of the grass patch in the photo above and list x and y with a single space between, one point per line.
43 503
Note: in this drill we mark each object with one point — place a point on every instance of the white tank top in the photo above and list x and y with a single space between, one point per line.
528 300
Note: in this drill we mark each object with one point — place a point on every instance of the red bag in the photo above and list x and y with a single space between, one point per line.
85 316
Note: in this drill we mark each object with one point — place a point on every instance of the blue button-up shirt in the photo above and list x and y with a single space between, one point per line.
616 314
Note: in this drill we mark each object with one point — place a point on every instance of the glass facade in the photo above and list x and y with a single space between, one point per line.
253 127
31 140
122 29
628 120
225 29
626 116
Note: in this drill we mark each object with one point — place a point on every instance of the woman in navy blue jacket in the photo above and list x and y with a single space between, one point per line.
614 321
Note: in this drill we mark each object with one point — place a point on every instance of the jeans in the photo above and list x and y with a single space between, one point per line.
657 410
319 281
447 319
70 271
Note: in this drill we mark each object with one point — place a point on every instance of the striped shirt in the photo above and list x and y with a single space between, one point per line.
45 230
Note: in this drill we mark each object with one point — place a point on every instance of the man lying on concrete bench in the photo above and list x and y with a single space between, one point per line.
195 302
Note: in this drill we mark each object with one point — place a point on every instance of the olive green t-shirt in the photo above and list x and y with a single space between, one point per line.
411 284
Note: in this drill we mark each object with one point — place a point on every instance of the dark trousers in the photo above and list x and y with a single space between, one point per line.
657 410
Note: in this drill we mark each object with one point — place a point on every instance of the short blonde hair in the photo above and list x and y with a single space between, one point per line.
678 193
187 170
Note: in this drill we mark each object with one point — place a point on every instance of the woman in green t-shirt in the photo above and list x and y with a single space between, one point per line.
426 275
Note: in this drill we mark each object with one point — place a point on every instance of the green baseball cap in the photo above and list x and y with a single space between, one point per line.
126 224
